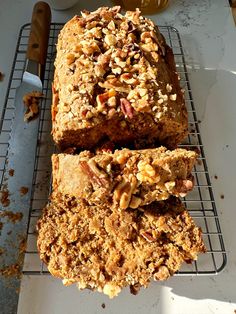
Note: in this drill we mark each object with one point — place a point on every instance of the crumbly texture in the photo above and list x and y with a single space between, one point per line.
125 178
11 216
106 250
31 101
115 78
4 197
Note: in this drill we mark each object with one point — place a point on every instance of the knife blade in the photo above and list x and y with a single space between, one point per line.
22 153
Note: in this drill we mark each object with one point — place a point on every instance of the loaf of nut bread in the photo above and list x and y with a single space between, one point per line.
115 78
125 178
106 250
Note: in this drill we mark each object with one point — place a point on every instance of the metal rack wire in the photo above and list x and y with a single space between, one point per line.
200 201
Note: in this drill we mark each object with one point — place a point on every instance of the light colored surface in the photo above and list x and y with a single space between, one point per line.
209 38
61 4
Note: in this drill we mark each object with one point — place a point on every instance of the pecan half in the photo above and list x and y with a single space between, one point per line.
126 108
91 174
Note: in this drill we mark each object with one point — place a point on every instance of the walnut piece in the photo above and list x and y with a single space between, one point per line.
147 173
123 192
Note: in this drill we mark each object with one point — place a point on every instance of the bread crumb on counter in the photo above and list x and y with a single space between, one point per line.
11 216
4 197
11 172
23 190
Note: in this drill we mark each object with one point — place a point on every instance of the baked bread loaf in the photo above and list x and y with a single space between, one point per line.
106 250
115 78
125 178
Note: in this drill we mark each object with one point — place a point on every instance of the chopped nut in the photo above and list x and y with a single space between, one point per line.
110 40
99 70
118 190
116 85
162 274
173 97
116 70
135 202
123 192
170 185
144 36
103 98
70 115
112 101
103 59
119 62
155 55
142 91
168 88
159 115
111 25
149 47
122 157
149 170
133 94
125 199
89 48
127 78
147 173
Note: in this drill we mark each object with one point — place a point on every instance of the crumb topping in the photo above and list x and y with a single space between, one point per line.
113 66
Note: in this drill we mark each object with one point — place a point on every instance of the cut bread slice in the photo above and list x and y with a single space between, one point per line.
125 178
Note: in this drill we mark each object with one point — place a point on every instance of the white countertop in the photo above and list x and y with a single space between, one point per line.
209 39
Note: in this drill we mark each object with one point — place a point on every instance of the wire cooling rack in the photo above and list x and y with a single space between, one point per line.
200 202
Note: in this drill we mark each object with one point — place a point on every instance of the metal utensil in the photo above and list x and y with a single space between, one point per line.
21 158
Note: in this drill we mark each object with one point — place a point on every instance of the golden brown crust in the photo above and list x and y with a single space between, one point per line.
115 78
107 250
125 178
